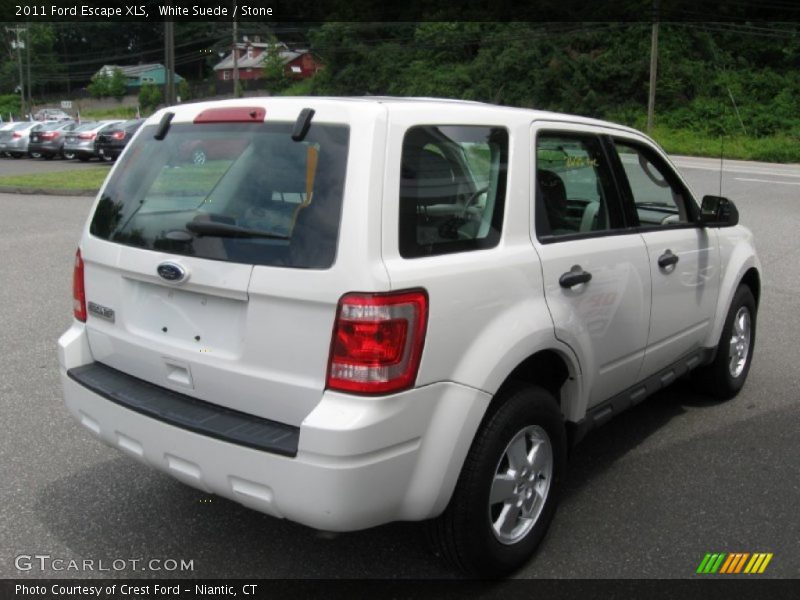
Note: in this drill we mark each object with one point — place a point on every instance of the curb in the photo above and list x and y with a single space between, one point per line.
7 189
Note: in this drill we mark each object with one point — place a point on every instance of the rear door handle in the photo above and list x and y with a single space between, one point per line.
667 259
576 275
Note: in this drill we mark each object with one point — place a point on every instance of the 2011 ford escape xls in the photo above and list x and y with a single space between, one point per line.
355 311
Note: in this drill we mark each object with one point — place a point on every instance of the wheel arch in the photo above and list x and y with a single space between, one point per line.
740 266
552 369
752 279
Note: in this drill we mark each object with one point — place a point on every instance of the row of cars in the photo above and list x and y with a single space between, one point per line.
67 139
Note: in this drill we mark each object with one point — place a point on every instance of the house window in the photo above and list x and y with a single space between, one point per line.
226 75
296 69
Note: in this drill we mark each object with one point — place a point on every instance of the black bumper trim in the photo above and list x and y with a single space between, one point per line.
186 412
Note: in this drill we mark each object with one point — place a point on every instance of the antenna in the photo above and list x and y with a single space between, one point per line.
721 157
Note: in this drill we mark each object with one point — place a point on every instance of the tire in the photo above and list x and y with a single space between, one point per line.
68 155
35 154
490 539
724 377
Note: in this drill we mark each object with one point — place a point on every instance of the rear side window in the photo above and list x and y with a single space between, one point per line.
236 192
452 189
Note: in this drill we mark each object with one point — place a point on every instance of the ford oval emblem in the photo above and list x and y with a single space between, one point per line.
171 271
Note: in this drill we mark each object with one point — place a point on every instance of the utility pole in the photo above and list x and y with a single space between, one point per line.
651 100
18 44
28 68
237 91
169 59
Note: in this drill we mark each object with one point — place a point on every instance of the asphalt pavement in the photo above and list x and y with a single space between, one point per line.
647 496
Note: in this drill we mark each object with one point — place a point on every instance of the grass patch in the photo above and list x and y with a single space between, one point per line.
82 179
121 112
775 148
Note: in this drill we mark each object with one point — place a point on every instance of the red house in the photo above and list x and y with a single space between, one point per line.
299 64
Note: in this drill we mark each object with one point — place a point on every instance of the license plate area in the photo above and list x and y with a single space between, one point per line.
197 322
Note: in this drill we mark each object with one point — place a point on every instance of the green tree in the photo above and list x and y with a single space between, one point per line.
184 91
117 85
274 68
149 97
99 86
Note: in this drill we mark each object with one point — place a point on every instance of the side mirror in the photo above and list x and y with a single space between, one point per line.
717 211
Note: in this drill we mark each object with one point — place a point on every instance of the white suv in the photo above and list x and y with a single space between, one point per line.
356 311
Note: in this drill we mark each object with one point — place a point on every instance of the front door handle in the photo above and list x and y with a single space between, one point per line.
576 275
667 259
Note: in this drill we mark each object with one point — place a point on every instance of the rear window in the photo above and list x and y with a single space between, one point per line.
236 192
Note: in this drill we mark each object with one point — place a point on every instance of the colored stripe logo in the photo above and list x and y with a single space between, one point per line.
734 563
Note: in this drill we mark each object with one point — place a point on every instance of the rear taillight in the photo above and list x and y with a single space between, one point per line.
49 135
118 135
16 136
377 342
78 291
87 136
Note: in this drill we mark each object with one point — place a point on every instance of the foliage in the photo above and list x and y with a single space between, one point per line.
772 148
9 104
274 69
103 85
303 87
184 91
149 97
117 85
98 87
45 63
594 69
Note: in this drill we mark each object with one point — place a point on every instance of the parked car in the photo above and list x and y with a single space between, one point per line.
80 142
47 140
14 141
51 114
396 309
6 127
112 142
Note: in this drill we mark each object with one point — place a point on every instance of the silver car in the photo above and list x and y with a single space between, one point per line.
79 143
14 141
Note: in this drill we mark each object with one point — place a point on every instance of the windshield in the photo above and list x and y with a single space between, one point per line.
230 191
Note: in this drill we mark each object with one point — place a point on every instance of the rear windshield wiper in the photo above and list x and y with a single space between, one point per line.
211 228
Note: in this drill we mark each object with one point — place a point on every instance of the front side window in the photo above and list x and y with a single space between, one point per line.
236 192
659 198
574 190
452 189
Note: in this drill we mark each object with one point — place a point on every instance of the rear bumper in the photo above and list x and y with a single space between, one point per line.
48 149
360 462
110 151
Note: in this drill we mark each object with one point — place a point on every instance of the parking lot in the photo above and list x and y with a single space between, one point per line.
646 496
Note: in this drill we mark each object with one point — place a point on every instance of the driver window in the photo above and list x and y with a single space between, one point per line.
659 199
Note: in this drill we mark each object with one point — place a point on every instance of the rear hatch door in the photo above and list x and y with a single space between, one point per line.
177 232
